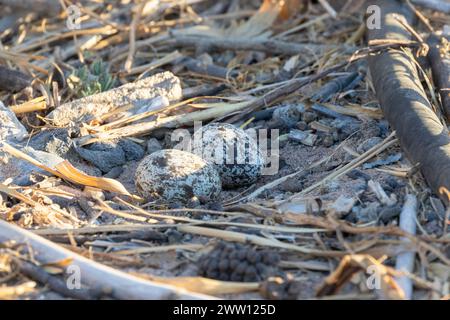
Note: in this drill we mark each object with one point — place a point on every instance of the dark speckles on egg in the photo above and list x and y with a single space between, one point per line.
234 152
176 175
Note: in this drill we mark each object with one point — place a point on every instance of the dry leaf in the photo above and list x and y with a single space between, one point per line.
68 172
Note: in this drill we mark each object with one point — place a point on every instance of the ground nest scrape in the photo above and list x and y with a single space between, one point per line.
83 106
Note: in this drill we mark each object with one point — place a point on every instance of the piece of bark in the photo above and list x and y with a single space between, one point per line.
159 87
13 80
439 59
404 102
95 276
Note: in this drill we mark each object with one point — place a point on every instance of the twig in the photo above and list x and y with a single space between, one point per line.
132 50
405 260
328 8
55 283
272 46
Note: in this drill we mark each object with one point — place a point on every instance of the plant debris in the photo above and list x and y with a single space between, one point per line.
224 149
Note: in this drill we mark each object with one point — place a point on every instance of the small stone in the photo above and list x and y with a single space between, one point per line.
175 175
302 125
346 127
111 154
292 185
358 185
368 144
153 145
309 116
159 88
358 174
132 150
10 129
389 213
216 206
286 116
367 214
114 173
327 140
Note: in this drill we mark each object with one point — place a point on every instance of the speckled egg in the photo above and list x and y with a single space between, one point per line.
234 153
177 176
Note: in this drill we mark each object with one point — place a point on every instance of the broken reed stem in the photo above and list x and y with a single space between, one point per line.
260 241
405 260
37 104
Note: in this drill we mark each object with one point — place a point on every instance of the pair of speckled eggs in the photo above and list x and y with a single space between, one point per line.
225 156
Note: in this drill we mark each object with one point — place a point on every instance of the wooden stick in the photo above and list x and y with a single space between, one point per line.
271 46
93 274
55 283
405 260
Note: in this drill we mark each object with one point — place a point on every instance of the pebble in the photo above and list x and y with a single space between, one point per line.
285 116
327 140
10 129
108 155
346 127
114 173
309 116
368 144
389 213
292 185
302 125
153 145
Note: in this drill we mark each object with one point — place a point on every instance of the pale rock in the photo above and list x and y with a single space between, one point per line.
155 91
